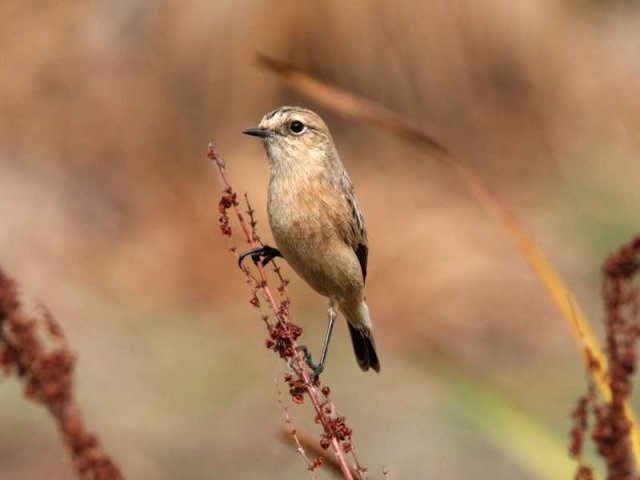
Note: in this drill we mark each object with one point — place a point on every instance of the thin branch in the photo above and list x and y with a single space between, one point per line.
309 442
292 433
283 334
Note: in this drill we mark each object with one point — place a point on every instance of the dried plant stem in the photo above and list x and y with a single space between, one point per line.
47 375
292 432
308 441
284 334
611 429
370 112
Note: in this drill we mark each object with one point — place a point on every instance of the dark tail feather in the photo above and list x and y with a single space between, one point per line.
365 349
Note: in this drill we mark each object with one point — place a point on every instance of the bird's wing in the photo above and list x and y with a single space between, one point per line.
347 217
362 252
357 234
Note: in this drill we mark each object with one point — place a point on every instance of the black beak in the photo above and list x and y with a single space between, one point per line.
257 132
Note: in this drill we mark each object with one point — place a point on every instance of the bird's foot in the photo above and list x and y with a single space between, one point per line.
260 255
315 375
316 370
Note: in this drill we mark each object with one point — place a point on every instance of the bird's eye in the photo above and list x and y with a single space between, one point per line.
297 127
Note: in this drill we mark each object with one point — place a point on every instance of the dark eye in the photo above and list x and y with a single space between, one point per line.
296 127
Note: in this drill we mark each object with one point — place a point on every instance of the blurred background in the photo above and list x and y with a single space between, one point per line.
108 211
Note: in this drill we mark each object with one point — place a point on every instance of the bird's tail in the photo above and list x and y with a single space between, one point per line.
362 338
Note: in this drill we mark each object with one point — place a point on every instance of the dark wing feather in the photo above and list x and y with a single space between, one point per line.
356 232
358 240
362 252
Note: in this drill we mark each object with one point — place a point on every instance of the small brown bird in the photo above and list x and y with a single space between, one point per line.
316 222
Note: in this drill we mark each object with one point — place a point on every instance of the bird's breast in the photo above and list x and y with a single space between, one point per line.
297 212
305 219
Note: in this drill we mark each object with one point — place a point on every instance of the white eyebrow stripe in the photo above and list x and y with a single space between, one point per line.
280 110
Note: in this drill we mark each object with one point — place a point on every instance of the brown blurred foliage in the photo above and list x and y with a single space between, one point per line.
611 432
47 375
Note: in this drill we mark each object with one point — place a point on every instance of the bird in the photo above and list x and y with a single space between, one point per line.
317 224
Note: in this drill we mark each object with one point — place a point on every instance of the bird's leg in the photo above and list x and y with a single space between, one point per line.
318 369
261 255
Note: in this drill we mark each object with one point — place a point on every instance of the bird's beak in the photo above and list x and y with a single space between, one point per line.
257 132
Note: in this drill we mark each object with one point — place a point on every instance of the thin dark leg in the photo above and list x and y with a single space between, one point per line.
261 255
319 368
327 337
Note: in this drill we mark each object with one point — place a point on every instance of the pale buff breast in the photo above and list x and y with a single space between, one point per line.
307 218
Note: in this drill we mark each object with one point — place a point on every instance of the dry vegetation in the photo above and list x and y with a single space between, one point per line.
612 430
47 375
284 334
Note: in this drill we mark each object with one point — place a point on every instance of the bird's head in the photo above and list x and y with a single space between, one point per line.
295 135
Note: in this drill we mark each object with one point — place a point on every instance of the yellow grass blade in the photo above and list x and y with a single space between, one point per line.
370 112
